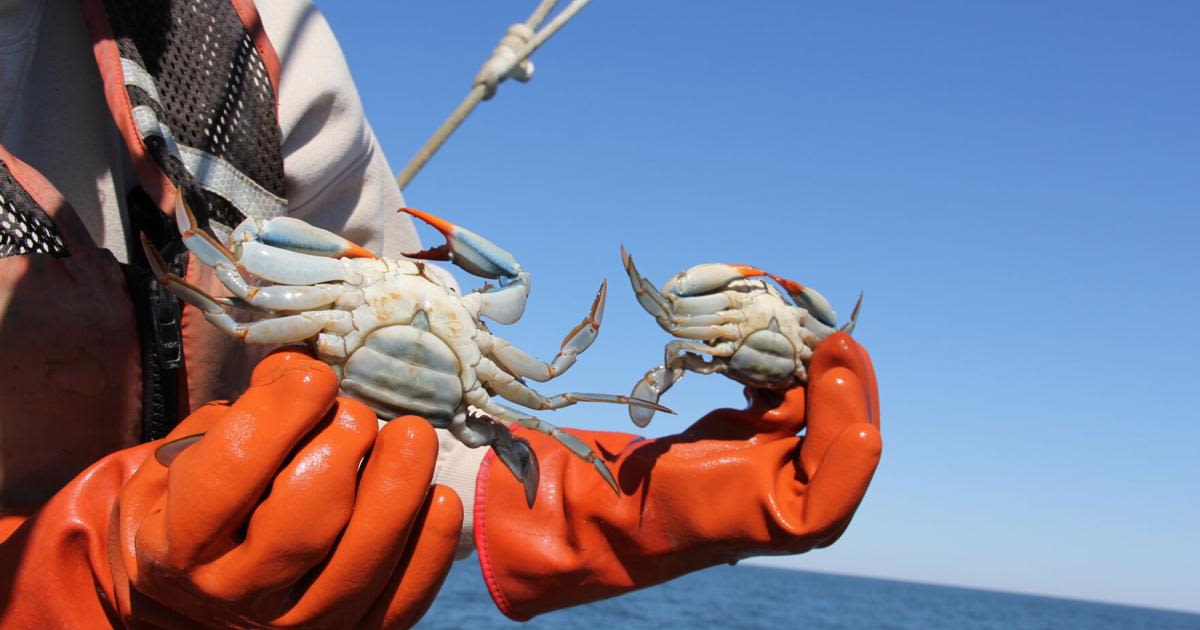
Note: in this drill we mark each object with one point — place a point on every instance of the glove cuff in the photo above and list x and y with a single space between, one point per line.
56 564
479 518
572 546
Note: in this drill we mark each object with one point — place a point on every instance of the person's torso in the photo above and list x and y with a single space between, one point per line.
115 106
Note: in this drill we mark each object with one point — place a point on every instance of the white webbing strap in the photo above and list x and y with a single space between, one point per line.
211 172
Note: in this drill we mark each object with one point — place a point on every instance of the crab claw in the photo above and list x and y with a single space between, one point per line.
293 234
473 253
809 299
708 277
516 455
648 390
848 327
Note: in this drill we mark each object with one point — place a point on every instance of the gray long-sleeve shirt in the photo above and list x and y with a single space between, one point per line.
53 116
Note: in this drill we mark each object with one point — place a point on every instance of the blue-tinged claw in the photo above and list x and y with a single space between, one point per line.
295 235
707 277
809 299
815 303
648 389
471 252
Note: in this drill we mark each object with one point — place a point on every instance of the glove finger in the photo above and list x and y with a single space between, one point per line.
841 350
146 489
200 421
280 359
423 568
771 415
775 415
215 483
188 432
836 400
308 506
394 487
841 481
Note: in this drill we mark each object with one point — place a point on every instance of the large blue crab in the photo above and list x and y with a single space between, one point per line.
399 338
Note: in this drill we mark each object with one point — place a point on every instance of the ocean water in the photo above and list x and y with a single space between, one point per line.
758 597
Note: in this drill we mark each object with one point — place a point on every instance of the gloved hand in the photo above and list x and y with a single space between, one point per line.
264 521
735 484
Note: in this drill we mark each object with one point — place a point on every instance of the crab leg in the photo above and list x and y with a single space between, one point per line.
691 325
264 261
472 432
572 443
515 453
647 294
206 248
848 327
504 304
677 346
270 298
580 338
728 330
703 304
687 322
511 389
658 380
278 330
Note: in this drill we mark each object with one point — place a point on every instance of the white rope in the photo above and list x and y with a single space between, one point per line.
503 63
510 60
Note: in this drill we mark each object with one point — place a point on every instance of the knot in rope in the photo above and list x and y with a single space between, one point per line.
510 59
503 64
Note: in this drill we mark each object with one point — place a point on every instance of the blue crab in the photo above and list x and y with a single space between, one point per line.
399 337
744 324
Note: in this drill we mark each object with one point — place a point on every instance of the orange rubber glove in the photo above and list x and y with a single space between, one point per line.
735 484
265 521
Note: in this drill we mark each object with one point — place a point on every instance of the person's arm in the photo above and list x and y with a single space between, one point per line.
337 176
735 484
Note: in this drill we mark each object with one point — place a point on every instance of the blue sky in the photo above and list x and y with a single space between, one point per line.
1014 186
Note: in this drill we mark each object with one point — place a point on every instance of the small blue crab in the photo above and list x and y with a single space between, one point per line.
729 313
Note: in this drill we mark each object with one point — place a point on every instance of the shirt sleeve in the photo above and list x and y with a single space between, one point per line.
336 174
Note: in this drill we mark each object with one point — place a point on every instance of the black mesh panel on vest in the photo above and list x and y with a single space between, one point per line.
25 228
218 208
214 86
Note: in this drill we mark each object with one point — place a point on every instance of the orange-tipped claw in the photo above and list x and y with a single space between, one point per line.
441 252
445 227
806 297
750 272
464 248
790 286
357 251
809 298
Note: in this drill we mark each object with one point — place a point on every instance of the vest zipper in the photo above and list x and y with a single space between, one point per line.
159 321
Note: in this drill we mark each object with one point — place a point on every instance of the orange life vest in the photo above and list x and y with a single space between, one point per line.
94 356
